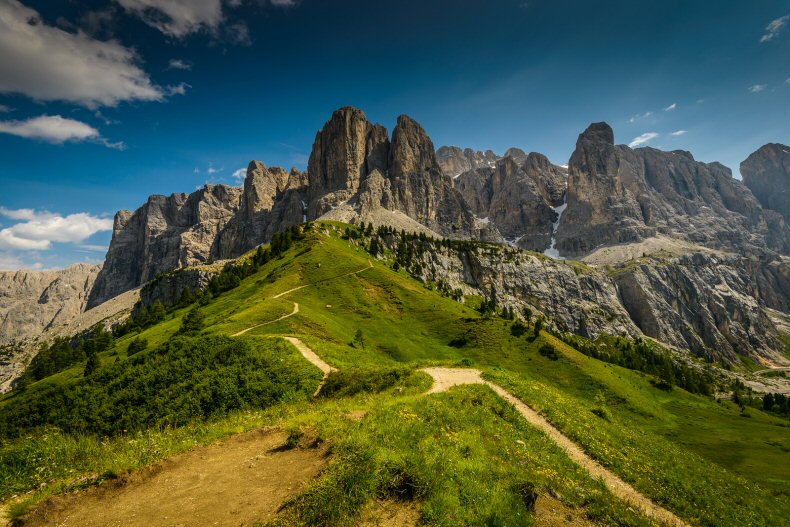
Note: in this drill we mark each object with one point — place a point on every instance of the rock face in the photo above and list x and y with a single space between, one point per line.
619 195
166 233
710 301
705 303
767 174
354 167
454 161
32 301
518 196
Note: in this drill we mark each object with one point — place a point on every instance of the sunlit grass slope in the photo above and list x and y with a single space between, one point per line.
476 459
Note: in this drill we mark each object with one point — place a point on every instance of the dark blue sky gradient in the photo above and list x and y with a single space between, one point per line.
483 74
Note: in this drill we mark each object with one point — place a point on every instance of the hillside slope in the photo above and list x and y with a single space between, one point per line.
464 457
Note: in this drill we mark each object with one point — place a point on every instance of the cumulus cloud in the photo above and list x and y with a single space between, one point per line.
176 18
757 88
678 132
774 28
671 107
240 174
9 262
56 129
38 230
47 63
642 139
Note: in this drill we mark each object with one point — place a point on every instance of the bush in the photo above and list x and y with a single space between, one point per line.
192 323
548 351
136 346
352 381
188 378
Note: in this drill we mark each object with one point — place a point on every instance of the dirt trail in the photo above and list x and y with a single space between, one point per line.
278 295
292 313
310 355
445 378
239 481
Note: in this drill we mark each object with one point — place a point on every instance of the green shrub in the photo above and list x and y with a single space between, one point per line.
354 380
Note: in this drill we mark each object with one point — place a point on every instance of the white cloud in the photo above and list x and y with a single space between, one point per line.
178 64
5 109
38 230
9 262
212 170
678 132
787 81
642 139
180 89
240 174
774 28
177 18
47 63
671 107
757 88
638 116
284 3
56 129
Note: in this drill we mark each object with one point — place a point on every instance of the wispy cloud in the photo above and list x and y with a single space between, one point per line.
639 116
56 129
176 18
774 28
240 174
47 63
178 64
37 230
180 89
5 109
678 132
757 88
671 107
642 139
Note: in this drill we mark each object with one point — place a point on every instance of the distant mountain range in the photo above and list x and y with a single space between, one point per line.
671 248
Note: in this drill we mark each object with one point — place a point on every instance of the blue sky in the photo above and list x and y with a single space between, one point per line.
104 103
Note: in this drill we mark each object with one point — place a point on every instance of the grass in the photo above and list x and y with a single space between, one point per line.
476 457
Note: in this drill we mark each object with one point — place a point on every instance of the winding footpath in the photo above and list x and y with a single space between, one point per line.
446 378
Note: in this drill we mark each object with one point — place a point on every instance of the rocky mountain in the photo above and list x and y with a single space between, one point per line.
617 195
32 301
767 174
355 173
693 258
454 161
519 195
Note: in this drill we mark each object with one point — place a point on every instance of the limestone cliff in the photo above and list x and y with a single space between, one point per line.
767 174
617 195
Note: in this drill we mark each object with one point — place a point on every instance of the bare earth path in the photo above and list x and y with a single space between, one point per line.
239 481
278 295
292 313
311 356
446 378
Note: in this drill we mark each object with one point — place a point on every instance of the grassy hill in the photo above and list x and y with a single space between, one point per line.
464 457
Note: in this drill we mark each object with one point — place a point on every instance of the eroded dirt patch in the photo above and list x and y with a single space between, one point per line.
390 513
238 481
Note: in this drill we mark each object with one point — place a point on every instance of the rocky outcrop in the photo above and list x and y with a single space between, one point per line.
168 288
454 161
767 174
703 302
166 233
32 301
617 195
518 196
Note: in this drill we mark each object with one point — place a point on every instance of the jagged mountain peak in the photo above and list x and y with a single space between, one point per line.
599 133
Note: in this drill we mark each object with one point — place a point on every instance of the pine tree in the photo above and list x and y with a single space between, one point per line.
92 365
